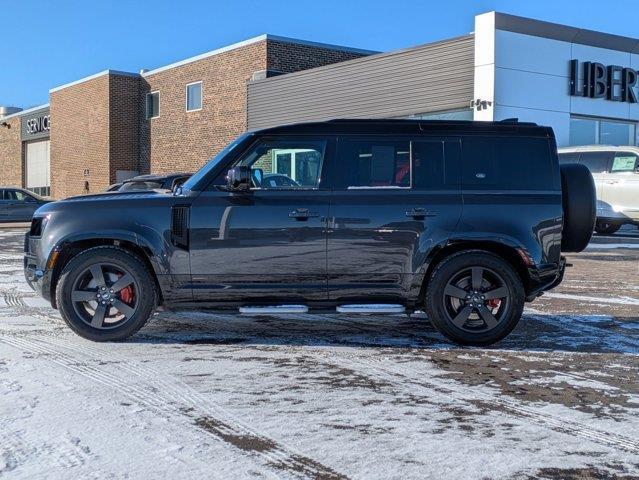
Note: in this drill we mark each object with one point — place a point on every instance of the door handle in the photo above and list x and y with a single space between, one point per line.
419 213
302 214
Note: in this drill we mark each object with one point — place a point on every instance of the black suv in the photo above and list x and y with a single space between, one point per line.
465 220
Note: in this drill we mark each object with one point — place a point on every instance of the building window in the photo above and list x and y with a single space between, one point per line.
596 131
194 96
152 105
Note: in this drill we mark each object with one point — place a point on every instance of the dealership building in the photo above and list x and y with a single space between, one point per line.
107 127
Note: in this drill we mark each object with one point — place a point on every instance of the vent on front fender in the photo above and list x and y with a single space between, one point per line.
180 226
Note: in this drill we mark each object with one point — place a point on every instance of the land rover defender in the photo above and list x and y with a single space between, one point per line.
463 220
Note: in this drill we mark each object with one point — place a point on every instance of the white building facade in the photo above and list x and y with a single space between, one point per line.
526 69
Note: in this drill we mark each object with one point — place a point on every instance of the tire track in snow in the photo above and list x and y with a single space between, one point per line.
452 390
168 400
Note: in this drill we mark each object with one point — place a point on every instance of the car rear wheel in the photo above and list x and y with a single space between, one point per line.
106 294
474 298
606 227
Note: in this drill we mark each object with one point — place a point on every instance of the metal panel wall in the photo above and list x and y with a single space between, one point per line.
433 77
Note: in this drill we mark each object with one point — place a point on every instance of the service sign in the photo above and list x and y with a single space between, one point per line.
36 125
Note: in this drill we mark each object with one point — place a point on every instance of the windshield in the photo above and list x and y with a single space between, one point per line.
212 163
139 185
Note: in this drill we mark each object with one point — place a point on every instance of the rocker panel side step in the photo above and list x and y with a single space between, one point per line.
371 308
273 309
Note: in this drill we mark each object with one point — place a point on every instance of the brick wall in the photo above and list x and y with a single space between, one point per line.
178 140
95 133
182 141
124 122
80 138
292 57
10 153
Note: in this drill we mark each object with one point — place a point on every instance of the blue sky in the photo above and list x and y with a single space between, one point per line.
49 43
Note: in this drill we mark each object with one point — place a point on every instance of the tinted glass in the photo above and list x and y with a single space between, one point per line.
128 186
511 163
375 163
152 105
624 162
285 164
583 131
596 162
569 157
617 133
429 170
194 96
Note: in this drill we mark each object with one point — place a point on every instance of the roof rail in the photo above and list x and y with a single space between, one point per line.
515 120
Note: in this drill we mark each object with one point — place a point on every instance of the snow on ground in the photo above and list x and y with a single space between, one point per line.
202 395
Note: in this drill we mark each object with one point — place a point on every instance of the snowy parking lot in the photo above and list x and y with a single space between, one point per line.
203 395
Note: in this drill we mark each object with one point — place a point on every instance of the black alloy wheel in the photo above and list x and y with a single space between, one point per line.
474 297
105 296
106 293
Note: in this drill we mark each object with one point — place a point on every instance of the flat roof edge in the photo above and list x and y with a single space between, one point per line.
250 41
91 77
368 58
556 31
25 112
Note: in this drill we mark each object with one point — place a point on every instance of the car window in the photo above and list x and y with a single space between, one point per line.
597 162
285 164
624 162
140 185
15 195
374 163
510 163
429 169
569 157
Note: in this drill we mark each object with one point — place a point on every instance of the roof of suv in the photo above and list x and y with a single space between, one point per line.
600 148
403 126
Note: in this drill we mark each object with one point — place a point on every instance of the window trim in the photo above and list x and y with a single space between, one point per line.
146 104
186 96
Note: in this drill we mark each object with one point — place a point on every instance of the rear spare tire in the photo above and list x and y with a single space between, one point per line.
579 201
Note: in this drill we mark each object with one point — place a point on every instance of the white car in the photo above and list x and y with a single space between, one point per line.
616 174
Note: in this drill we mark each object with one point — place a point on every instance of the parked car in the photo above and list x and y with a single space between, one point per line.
616 174
152 182
18 204
466 220
113 188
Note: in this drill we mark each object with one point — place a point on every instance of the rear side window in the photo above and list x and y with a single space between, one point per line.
510 163
597 162
375 163
572 157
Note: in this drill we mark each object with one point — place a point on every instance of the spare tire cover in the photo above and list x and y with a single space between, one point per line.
579 200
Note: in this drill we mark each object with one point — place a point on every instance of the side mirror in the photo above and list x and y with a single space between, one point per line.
239 178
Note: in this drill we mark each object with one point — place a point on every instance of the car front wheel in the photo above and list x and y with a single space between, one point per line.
604 227
474 298
106 294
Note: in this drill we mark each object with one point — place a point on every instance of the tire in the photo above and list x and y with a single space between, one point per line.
605 227
579 200
126 302
459 319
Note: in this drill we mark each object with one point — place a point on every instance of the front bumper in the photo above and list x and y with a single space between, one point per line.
37 277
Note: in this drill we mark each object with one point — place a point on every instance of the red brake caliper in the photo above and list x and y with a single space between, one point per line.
127 294
493 303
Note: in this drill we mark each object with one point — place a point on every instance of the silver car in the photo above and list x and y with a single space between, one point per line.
616 174
18 204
